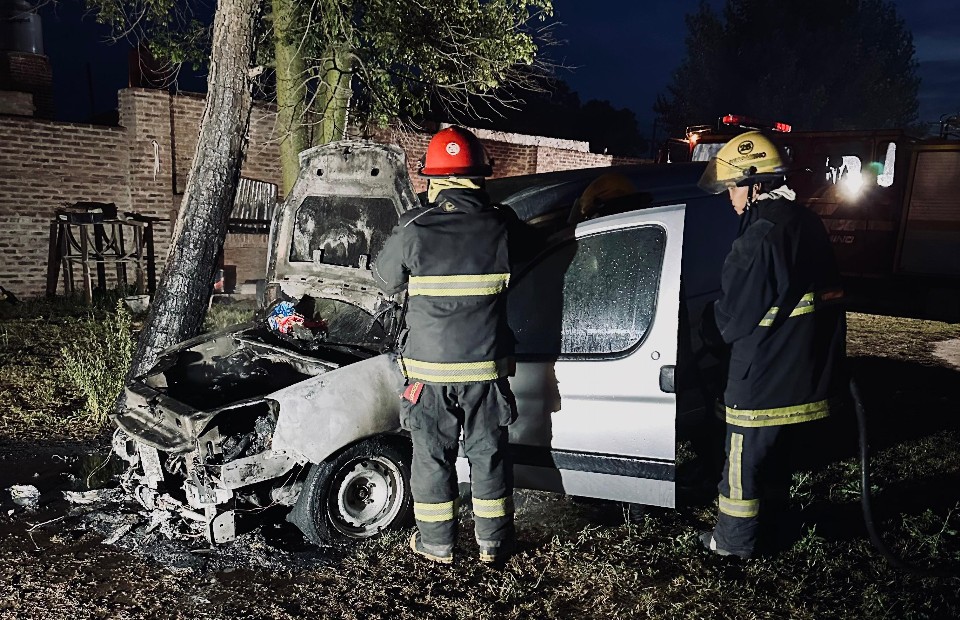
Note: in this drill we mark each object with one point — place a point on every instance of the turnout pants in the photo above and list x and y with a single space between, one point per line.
482 410
757 474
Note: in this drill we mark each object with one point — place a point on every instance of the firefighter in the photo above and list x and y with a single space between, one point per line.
606 188
779 313
452 256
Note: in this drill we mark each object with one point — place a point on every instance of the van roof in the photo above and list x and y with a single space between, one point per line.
538 195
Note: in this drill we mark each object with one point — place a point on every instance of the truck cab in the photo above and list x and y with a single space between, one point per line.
887 198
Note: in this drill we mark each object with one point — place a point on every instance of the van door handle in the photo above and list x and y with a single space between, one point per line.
667 374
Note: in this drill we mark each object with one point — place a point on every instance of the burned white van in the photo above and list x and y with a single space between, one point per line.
605 373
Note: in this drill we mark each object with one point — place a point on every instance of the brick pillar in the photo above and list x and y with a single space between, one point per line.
145 114
28 73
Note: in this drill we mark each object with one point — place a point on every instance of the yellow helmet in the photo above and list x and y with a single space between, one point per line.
749 158
603 189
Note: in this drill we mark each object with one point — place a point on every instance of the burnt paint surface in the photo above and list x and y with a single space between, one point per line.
342 228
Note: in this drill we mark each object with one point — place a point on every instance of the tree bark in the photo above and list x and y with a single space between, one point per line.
291 92
182 298
334 94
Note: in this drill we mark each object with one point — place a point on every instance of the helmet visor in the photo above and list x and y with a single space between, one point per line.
719 176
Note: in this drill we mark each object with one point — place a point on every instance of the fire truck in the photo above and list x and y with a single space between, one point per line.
890 201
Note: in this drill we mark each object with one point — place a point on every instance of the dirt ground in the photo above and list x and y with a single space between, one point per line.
575 558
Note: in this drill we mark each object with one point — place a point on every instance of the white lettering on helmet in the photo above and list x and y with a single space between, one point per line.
751 157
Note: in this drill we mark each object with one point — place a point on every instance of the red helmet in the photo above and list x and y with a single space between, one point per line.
455 152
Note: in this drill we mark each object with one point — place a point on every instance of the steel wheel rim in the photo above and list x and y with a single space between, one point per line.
367 496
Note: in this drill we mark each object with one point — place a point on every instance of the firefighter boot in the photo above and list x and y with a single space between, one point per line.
495 552
442 554
710 544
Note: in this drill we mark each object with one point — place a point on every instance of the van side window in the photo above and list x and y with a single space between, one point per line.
590 296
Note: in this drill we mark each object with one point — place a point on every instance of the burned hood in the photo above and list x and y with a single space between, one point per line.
343 206
222 373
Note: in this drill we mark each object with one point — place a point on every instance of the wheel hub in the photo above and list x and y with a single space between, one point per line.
368 496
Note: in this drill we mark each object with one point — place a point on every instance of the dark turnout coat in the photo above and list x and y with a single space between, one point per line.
453 258
780 310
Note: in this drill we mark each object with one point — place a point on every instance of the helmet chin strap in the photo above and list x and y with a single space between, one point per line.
751 197
752 193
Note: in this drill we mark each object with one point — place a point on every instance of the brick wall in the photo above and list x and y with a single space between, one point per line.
247 252
142 166
552 159
16 103
511 160
45 166
29 73
618 160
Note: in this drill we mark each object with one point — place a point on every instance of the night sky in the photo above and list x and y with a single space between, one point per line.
622 51
627 53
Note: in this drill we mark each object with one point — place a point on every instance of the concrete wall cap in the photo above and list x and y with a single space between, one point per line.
525 140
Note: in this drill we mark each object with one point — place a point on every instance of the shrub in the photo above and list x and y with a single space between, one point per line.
96 361
224 315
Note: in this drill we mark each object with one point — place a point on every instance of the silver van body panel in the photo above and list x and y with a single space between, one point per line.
607 407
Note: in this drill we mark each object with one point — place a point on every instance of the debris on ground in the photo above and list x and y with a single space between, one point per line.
25 495
88 497
118 534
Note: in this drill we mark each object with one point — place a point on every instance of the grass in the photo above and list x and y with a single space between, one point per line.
223 315
62 361
897 338
96 361
36 400
654 569
578 560
573 564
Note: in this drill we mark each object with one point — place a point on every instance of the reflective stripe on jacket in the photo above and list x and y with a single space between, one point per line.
785 365
453 258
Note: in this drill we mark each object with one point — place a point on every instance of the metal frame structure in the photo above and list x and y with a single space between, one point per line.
89 236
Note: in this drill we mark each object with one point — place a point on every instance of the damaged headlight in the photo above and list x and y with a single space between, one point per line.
254 442
241 431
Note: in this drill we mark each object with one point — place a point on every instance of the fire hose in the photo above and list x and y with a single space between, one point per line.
866 499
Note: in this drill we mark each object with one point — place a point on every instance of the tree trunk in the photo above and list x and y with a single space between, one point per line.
333 98
291 92
182 298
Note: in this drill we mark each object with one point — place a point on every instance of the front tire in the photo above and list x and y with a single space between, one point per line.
357 493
